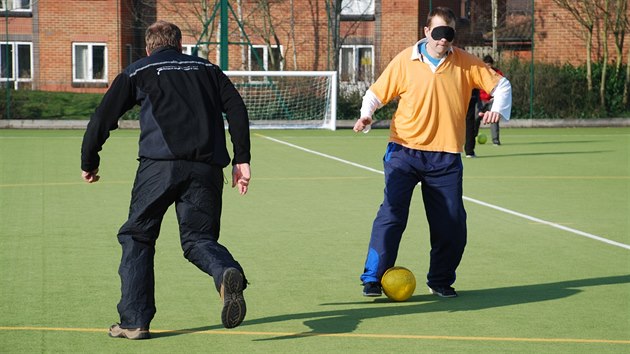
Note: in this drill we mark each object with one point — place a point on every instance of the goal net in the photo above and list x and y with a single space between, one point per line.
288 99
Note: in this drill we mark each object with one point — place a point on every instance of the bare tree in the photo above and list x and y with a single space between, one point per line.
193 17
263 23
491 21
619 22
605 24
199 19
626 86
584 11
613 17
239 6
334 9
495 24
292 33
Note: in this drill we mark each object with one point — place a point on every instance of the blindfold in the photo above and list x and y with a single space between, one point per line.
445 32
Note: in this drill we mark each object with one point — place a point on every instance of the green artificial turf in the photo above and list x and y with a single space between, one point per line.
538 275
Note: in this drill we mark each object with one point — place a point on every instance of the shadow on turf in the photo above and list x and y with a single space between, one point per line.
555 142
337 321
545 153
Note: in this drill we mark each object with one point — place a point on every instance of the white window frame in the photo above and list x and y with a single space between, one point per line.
3 6
188 48
14 75
357 7
265 58
90 69
354 68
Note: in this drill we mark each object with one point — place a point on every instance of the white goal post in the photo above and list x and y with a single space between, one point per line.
288 99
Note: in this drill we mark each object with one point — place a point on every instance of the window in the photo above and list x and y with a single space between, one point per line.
357 8
188 49
260 58
356 63
16 61
467 10
89 62
15 5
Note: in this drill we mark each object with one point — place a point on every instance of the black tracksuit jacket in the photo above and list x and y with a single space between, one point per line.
182 99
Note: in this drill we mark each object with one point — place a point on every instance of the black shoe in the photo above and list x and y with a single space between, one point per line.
115 331
372 289
442 291
234 308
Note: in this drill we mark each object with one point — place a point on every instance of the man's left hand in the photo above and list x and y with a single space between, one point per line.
90 176
489 117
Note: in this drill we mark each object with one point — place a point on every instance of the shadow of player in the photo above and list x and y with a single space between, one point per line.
338 321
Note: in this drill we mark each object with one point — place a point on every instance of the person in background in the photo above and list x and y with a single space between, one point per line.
182 154
473 121
434 81
485 103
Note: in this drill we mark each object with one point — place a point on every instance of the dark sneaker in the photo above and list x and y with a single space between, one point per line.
443 291
115 331
234 308
372 289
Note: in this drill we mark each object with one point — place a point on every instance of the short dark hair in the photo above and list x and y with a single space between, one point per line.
488 59
444 12
162 34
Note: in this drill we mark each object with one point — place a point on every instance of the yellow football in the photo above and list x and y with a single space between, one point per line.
398 283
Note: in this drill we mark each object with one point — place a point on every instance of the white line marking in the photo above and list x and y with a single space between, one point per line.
557 226
323 155
508 211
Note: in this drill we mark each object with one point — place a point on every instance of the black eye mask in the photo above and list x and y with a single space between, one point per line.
445 32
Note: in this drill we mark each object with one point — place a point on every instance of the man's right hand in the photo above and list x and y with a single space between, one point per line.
241 174
362 123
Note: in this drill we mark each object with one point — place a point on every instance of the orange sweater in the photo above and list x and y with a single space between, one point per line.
431 112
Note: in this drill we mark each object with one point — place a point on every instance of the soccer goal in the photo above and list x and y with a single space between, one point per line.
288 99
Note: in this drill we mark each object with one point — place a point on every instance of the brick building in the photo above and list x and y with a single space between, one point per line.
80 45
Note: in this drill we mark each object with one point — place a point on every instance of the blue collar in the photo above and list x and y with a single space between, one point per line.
422 48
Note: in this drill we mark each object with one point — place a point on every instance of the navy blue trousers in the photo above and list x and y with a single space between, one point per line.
440 175
196 189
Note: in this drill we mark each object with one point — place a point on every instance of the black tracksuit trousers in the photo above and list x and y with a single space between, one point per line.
196 189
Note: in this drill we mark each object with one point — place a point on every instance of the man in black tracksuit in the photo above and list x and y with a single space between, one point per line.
182 153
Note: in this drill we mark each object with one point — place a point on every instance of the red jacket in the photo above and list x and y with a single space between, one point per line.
483 95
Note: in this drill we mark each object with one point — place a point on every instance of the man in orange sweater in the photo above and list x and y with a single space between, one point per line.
434 81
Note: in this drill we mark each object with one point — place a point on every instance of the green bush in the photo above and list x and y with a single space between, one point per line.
562 92
27 104
614 89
